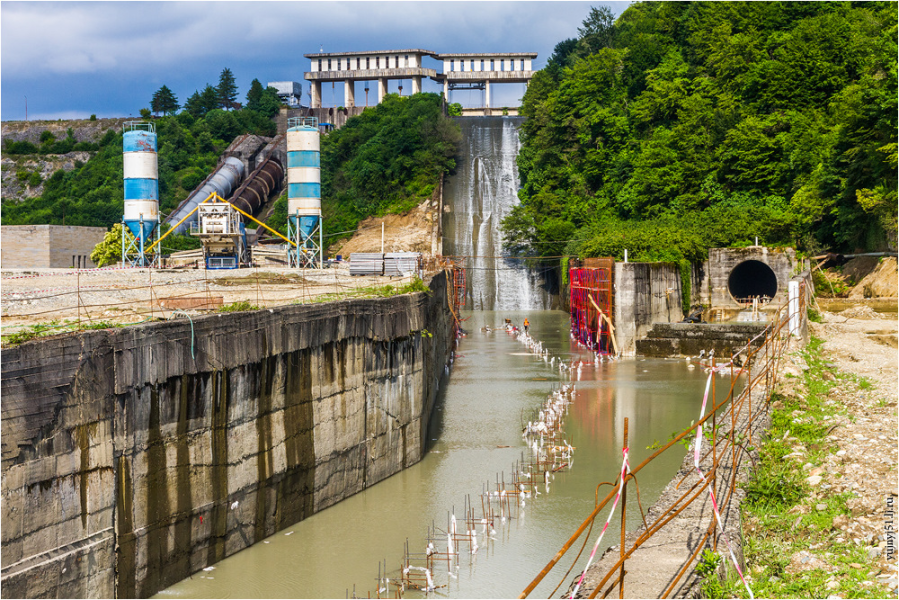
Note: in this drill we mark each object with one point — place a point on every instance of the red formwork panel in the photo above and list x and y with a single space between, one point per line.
594 282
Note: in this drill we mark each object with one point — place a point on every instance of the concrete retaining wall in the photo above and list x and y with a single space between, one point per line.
132 458
645 293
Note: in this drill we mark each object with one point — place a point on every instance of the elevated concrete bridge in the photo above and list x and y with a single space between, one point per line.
460 71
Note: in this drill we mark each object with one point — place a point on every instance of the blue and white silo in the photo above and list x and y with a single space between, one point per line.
304 189
141 180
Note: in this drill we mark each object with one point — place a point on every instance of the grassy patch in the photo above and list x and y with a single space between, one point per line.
53 328
783 515
239 306
374 291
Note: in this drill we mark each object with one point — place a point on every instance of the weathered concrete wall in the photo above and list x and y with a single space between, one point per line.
722 262
43 246
699 284
645 293
132 458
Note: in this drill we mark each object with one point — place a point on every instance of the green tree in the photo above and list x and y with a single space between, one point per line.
164 101
270 103
226 90
598 30
254 95
194 105
109 251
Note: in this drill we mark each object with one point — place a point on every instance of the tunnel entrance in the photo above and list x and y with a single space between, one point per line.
752 279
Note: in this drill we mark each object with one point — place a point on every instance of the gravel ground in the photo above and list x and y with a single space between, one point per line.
863 343
122 296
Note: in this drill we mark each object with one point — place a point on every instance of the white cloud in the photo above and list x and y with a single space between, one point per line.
103 37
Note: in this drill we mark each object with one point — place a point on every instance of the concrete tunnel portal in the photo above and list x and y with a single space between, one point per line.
752 279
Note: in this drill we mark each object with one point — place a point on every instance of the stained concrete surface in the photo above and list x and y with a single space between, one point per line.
132 458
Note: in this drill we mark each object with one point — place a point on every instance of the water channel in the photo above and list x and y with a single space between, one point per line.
476 434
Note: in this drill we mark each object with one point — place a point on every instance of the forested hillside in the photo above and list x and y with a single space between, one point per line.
687 125
387 160
92 194
190 142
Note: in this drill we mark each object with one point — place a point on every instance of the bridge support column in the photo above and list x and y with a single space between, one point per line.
349 93
487 96
382 89
446 91
416 85
316 94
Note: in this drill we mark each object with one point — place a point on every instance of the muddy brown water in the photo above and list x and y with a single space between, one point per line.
476 435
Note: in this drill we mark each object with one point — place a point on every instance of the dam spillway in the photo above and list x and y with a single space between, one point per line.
480 194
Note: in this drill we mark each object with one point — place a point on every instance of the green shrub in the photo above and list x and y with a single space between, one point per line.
239 306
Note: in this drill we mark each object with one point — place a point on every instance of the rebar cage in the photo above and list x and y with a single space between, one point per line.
586 284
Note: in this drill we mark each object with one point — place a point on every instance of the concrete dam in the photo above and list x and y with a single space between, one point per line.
480 195
132 458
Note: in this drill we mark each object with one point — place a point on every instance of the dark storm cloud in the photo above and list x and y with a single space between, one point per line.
72 59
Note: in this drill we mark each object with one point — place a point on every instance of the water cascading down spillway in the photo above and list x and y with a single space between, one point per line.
304 192
479 195
141 189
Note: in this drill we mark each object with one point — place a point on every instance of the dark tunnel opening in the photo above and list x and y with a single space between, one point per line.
752 279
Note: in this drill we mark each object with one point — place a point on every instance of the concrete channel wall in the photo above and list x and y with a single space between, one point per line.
645 293
132 458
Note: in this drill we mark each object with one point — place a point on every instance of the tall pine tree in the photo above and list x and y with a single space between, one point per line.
227 90
254 95
164 101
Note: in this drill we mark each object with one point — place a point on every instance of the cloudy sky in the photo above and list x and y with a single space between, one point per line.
72 59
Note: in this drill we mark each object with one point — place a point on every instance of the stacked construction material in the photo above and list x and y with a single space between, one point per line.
366 263
400 264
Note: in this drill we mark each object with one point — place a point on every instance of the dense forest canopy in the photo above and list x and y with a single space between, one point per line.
687 125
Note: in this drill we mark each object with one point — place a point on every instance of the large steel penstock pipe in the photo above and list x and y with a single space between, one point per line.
256 191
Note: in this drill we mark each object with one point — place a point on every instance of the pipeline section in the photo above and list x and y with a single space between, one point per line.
223 182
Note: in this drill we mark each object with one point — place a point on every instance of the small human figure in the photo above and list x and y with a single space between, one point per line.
526 324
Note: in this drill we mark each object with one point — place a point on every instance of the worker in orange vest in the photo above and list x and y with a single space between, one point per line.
526 324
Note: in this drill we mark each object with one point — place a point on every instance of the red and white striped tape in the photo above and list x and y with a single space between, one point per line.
696 450
75 272
56 289
625 468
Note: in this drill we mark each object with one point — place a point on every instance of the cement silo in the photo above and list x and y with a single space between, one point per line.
224 181
141 189
304 191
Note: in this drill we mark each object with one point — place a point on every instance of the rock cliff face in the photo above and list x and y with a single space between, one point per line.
84 130
24 176
132 458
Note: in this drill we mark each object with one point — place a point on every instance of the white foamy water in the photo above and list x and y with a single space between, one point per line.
480 194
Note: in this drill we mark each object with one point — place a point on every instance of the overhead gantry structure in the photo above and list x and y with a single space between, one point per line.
378 65
477 71
460 71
